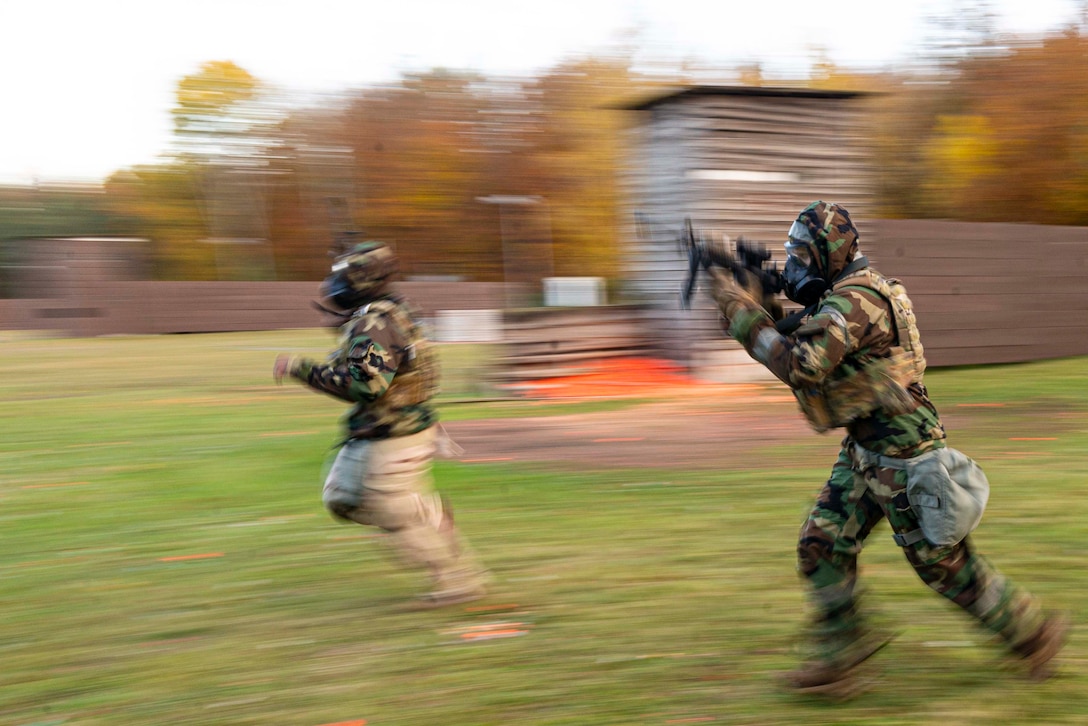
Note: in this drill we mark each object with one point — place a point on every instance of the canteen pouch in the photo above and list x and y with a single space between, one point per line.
948 492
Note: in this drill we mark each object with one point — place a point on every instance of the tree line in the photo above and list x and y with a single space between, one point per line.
446 166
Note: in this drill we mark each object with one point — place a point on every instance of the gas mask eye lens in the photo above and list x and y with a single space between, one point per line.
800 252
799 244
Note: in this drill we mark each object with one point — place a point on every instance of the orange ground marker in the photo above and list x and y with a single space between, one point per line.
179 558
613 378
488 634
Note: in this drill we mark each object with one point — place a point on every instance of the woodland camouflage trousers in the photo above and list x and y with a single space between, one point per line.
849 506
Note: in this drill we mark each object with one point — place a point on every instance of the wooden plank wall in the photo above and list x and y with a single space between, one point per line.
550 342
739 166
151 307
989 293
984 293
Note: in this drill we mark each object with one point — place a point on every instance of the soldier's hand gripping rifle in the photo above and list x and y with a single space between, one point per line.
747 263
750 262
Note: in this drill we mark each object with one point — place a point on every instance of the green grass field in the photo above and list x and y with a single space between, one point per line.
165 560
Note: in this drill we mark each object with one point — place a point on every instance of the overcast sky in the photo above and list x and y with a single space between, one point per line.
87 85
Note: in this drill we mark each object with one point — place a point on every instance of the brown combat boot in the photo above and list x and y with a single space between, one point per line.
445 598
466 581
1038 651
835 676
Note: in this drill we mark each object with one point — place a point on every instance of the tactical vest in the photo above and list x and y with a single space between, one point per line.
416 379
873 381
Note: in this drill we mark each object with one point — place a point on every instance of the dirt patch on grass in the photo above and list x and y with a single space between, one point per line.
695 425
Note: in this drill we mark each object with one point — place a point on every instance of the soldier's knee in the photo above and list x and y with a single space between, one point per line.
808 557
813 547
340 510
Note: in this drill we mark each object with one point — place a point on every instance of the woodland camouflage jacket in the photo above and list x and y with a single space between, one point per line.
384 366
849 343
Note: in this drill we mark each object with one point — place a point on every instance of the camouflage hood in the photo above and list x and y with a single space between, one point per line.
362 274
836 238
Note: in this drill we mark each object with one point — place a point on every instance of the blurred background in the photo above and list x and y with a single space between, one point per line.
263 158
511 147
188 167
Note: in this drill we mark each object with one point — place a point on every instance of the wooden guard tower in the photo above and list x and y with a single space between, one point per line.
739 162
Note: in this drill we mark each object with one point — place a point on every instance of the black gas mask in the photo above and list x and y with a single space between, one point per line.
359 276
804 281
337 288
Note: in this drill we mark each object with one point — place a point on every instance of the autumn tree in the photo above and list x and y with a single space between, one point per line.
432 154
225 123
311 196
578 153
1039 130
994 134
420 151
162 201
999 137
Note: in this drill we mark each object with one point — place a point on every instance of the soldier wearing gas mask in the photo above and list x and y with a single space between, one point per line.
856 362
388 371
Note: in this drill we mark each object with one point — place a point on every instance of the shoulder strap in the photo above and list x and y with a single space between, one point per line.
875 282
402 319
388 306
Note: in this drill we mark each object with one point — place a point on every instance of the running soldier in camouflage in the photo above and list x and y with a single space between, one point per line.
857 362
388 370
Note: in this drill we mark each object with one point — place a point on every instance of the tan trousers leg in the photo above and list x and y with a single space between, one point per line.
388 483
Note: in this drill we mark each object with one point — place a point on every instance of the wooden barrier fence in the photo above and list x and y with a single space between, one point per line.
984 293
989 293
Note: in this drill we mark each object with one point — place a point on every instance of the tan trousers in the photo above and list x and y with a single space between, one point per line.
389 484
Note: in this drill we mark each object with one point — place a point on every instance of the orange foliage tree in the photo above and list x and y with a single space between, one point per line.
1001 137
491 179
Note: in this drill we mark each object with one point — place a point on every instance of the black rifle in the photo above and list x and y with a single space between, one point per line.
749 261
